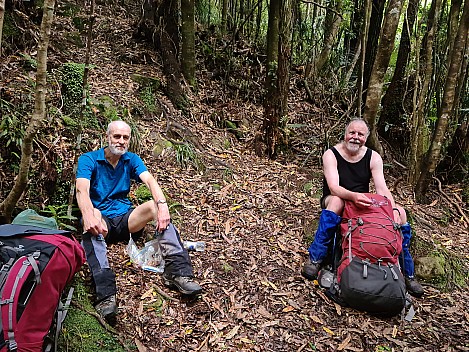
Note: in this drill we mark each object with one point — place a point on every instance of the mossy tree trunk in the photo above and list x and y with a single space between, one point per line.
8 205
395 101
383 55
417 138
446 114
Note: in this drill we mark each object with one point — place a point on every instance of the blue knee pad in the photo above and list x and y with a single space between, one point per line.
405 259
325 233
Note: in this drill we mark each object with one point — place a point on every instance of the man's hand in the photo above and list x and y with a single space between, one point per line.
362 200
94 226
163 216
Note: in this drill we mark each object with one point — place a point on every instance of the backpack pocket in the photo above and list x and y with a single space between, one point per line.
375 288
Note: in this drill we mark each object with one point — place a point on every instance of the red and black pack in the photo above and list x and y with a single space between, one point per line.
36 266
369 276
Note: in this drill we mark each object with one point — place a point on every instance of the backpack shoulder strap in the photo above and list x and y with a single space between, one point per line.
11 290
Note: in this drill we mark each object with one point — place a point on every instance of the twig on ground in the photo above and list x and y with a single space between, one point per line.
97 316
165 295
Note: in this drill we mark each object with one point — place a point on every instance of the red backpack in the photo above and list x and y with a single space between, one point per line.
368 276
37 264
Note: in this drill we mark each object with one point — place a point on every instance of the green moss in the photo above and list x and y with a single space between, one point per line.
142 194
81 331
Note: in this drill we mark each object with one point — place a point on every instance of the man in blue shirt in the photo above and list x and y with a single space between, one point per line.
102 186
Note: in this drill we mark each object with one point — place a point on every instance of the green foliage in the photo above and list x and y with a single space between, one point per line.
142 194
307 188
10 30
71 79
106 107
11 126
148 98
67 9
59 213
185 156
80 23
227 267
29 63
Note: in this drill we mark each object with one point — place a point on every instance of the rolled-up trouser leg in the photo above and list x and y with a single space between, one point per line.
96 256
405 259
325 233
176 257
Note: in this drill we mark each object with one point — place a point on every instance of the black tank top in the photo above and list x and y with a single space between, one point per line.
354 177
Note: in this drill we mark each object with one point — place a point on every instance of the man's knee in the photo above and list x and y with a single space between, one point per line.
141 215
402 214
335 204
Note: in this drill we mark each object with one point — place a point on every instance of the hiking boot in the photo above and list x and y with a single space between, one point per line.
414 287
107 309
310 270
185 284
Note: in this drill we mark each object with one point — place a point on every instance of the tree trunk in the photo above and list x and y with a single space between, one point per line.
2 14
383 55
363 36
372 40
8 205
188 41
224 15
439 136
331 29
391 123
276 105
81 118
417 139
168 43
271 76
272 46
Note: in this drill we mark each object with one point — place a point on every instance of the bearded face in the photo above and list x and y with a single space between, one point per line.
118 140
355 136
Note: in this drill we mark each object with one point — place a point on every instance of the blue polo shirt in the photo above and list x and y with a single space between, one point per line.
109 186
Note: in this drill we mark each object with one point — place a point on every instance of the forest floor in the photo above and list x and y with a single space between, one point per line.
257 218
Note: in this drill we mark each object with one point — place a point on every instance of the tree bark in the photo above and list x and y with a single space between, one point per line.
390 125
383 55
2 15
188 41
454 70
417 139
331 30
8 205
363 44
276 106
372 40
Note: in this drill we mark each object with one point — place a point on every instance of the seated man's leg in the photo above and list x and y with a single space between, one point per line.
178 267
103 277
324 234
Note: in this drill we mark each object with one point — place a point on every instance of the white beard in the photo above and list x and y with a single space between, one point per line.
113 149
353 148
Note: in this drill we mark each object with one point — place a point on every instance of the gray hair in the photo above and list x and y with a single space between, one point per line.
112 124
357 119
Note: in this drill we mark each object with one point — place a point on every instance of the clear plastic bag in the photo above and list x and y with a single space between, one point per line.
149 257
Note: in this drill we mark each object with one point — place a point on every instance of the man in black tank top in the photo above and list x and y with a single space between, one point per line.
348 169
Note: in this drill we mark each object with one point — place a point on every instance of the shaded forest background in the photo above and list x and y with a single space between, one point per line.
232 104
